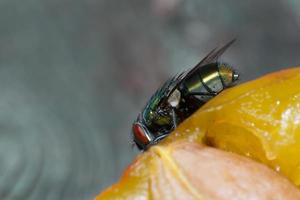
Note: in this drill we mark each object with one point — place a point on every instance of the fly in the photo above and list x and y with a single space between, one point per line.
181 96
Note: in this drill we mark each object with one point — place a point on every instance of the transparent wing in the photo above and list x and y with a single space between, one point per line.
211 57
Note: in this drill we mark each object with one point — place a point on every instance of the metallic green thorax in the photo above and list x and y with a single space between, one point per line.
153 113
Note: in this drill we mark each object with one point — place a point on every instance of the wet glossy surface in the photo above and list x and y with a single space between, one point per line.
258 119
185 170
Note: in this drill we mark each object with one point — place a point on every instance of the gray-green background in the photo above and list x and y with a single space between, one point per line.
74 74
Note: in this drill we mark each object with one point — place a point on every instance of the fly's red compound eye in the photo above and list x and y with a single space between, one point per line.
140 135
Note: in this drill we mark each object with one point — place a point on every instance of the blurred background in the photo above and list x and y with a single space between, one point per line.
74 75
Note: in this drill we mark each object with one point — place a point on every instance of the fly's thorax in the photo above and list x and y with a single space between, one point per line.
158 119
162 117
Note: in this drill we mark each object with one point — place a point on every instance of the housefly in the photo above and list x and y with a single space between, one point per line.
181 96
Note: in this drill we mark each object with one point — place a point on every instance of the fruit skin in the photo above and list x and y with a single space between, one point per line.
259 119
186 170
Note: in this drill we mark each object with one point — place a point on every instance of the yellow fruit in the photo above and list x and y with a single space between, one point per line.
185 170
259 119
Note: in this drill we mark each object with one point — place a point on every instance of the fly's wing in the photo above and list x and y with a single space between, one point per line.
211 57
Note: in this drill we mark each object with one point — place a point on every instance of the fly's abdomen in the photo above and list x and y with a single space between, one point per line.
209 80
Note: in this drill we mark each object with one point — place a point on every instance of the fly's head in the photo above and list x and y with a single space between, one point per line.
153 123
142 137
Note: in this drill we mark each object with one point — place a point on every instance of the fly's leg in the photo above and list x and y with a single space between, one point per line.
174 118
156 140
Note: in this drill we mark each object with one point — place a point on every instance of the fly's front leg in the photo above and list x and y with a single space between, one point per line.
157 139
